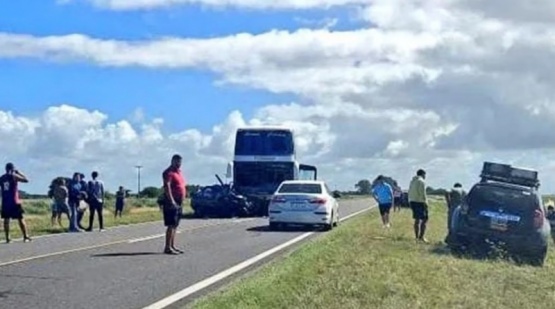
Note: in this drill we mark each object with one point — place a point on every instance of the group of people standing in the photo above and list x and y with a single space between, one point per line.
71 197
68 196
384 194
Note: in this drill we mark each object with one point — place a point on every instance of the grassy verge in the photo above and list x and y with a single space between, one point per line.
38 216
360 265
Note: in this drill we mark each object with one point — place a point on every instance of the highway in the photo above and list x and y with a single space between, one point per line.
124 267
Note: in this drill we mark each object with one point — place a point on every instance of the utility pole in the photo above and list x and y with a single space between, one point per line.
138 167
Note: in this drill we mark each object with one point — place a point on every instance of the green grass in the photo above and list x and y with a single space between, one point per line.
360 265
38 216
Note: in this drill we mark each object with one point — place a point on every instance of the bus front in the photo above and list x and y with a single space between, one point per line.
263 158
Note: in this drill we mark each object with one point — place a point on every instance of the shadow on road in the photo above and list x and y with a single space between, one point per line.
6 294
120 254
289 229
188 216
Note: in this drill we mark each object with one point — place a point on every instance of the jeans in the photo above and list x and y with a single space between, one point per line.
73 205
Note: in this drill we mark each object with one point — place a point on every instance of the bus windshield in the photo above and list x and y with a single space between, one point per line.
264 143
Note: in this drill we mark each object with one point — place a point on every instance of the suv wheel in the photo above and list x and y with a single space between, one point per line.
537 259
457 244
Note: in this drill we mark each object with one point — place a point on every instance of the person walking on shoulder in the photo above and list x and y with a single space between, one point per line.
383 193
172 207
419 204
11 205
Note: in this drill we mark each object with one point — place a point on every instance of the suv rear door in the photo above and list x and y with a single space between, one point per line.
502 208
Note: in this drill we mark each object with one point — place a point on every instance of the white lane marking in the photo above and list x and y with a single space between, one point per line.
163 303
117 242
36 257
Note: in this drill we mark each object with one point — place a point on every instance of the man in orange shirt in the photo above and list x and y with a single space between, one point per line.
175 192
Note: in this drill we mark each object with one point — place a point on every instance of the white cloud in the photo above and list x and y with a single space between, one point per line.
441 85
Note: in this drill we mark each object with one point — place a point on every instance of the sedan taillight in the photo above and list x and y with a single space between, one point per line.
278 199
318 201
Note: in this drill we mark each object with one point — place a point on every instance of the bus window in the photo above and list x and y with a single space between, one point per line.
264 143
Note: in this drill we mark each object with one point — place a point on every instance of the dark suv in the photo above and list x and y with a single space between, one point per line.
505 209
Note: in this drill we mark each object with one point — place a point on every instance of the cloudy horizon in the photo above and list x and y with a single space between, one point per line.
370 87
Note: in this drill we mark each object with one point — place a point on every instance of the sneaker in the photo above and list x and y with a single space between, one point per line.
170 251
178 250
102 230
27 239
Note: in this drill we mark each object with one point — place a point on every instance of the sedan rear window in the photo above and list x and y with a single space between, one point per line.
301 188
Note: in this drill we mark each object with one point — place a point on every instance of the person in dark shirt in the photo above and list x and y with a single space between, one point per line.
551 218
96 201
120 202
11 205
172 207
454 198
83 201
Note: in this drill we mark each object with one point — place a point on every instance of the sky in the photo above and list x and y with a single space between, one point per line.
370 86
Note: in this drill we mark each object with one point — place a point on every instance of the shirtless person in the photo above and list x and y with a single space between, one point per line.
11 205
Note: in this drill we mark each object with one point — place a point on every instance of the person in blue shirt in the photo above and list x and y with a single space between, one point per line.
383 193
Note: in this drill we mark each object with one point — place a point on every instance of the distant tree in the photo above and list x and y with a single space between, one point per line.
23 194
192 189
432 191
109 195
151 192
392 182
364 186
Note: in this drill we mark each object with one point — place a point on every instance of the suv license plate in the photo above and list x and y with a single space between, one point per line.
499 223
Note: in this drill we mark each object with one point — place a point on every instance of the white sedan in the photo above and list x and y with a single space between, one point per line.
306 202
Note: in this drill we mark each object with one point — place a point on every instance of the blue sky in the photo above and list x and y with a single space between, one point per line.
183 98
399 42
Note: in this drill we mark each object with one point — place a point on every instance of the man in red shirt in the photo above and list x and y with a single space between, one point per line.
175 192
11 205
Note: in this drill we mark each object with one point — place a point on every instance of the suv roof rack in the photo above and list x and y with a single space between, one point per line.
509 174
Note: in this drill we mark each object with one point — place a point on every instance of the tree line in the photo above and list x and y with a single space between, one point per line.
364 187
147 192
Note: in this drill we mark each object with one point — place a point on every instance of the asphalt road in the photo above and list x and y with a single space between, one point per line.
124 267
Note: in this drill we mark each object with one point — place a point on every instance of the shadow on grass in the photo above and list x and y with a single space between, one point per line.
481 253
125 254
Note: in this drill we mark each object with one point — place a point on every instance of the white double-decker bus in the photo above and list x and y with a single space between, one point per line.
263 158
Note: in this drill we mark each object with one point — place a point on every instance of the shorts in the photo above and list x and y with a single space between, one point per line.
13 211
419 211
59 208
172 216
385 208
119 205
